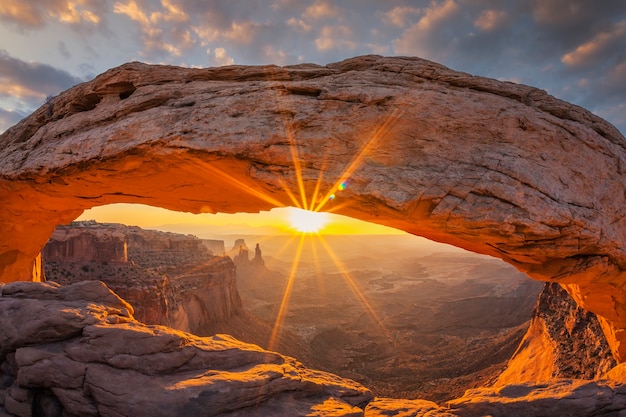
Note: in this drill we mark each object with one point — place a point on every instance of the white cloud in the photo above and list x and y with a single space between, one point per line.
321 10
165 29
490 20
219 57
421 39
436 14
299 24
400 16
172 13
334 37
243 32
206 34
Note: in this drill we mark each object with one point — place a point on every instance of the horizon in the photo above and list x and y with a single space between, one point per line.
272 222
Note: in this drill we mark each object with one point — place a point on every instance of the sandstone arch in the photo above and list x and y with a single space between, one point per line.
493 167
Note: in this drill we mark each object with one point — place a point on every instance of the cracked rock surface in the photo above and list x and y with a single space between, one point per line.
83 354
88 356
493 167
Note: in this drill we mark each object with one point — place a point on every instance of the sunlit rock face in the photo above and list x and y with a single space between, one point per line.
83 354
493 167
169 278
563 341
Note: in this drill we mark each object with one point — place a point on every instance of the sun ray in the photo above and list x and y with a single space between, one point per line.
284 110
282 311
235 183
290 194
318 183
369 310
318 269
356 162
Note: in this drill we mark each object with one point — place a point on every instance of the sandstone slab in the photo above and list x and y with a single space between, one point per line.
91 358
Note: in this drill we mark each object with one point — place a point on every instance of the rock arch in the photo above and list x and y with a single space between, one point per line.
492 167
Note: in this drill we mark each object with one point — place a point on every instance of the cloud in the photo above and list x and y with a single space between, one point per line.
9 117
334 37
427 37
243 32
590 52
25 85
28 80
21 13
321 10
491 20
163 30
219 57
299 24
80 15
400 16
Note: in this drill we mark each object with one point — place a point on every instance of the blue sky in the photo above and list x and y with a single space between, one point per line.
574 49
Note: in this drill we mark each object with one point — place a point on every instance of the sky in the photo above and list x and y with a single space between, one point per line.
573 49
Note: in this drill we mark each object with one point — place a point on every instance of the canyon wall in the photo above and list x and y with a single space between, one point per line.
563 341
170 279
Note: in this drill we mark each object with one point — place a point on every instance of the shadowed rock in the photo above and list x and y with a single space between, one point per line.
84 349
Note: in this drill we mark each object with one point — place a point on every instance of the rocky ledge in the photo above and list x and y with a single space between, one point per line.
83 354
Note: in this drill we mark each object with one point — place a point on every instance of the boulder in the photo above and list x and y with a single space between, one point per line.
90 357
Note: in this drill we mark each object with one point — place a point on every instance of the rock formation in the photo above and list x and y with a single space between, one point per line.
493 167
563 341
78 244
258 256
170 279
83 354
241 255
216 247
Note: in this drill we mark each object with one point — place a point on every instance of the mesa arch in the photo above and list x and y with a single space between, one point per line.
489 166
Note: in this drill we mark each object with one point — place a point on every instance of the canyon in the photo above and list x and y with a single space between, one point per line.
451 342
170 279
492 167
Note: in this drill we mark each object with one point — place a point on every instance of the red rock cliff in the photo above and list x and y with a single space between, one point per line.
170 279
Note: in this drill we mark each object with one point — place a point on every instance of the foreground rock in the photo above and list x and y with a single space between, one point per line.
83 354
565 397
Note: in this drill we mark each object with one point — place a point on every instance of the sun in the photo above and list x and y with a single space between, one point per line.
306 221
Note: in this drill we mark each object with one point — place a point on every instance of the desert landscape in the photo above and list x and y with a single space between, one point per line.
108 320
394 316
401 315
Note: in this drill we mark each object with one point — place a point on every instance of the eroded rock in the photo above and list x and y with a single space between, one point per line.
563 341
169 278
493 167
90 357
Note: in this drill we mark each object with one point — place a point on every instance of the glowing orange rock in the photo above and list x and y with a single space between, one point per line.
493 167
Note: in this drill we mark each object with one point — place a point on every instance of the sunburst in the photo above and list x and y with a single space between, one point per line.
307 216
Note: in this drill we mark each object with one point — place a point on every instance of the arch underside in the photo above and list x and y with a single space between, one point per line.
492 167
